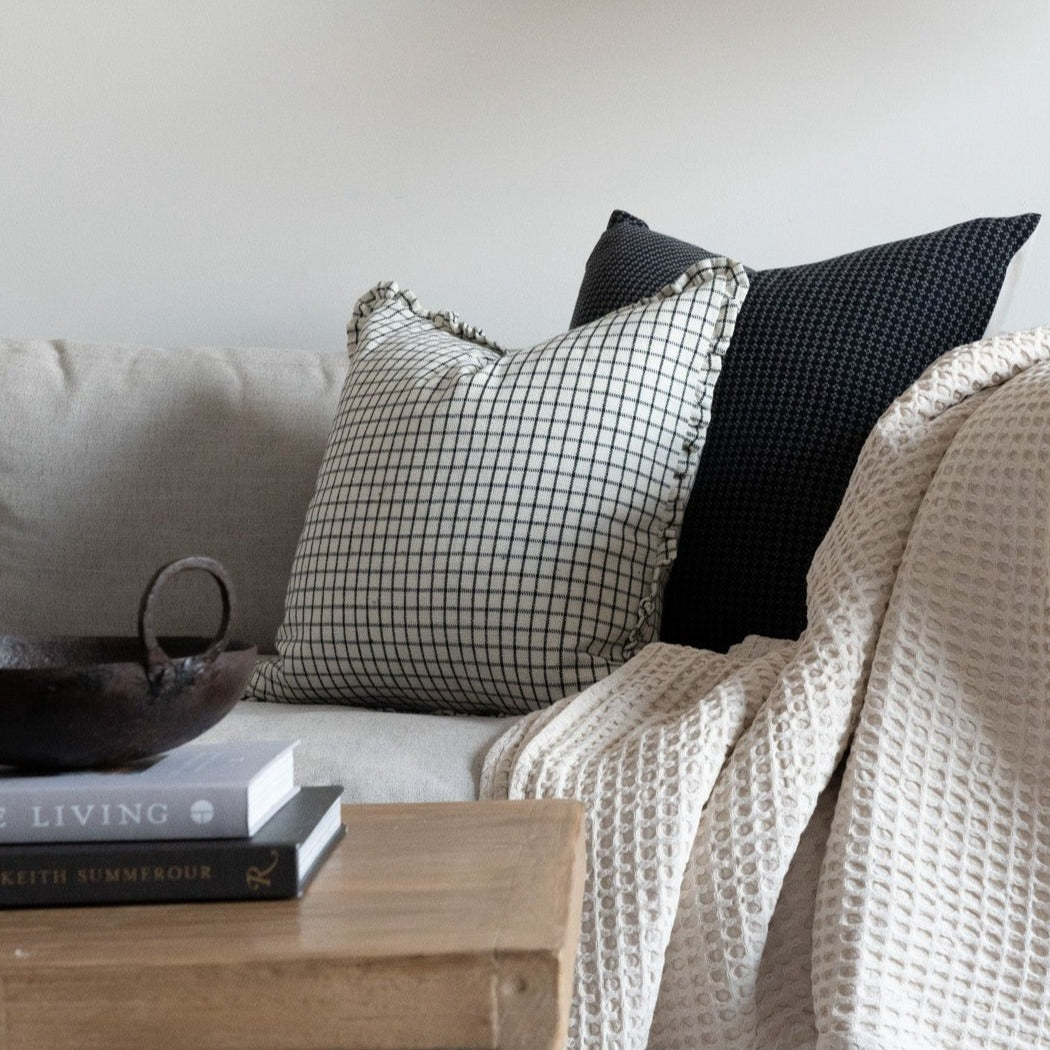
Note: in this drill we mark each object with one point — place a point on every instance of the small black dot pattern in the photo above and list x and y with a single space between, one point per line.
818 353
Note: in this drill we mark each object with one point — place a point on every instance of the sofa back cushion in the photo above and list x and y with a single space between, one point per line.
114 460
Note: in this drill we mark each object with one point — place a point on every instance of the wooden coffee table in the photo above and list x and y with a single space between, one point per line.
444 925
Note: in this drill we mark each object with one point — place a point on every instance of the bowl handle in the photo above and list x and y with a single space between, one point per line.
156 657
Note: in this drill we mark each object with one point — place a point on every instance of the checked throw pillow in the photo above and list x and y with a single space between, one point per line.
491 530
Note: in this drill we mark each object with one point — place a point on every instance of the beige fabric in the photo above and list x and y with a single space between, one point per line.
928 908
114 460
377 756
933 921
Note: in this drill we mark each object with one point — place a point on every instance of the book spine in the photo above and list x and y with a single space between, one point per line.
122 873
190 812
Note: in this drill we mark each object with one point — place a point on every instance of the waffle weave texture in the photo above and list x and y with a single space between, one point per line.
738 895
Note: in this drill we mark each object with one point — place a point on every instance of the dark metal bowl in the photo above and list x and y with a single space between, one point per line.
78 703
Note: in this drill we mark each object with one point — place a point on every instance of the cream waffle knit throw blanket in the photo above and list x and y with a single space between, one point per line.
743 894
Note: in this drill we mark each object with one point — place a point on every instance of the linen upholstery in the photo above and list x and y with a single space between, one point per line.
117 459
377 756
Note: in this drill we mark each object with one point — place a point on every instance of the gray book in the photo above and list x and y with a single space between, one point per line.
197 791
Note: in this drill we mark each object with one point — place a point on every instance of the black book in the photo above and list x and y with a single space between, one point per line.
278 861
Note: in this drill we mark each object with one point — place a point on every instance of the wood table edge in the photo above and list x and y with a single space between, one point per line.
525 984
529 988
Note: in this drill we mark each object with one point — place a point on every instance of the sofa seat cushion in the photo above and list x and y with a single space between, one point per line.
377 756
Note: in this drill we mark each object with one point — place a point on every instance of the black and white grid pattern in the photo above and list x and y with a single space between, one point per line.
491 530
820 351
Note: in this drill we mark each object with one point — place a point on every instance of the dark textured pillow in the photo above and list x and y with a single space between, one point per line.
818 354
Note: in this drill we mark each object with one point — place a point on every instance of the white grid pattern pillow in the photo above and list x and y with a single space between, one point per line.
491 530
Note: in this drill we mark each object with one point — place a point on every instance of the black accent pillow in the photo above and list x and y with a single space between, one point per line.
819 352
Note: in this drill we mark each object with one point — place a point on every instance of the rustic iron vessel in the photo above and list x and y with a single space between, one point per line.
79 703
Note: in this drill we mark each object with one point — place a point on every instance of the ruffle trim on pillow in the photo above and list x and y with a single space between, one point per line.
390 291
736 284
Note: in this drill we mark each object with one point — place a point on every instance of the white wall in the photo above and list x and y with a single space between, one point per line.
239 172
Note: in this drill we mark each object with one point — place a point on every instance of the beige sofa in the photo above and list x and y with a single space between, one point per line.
115 460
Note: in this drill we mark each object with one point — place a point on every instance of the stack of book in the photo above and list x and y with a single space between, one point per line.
202 822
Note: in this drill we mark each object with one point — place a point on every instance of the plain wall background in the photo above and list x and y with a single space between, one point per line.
237 173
